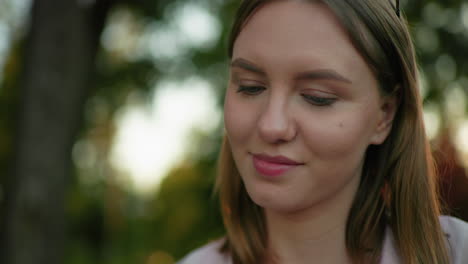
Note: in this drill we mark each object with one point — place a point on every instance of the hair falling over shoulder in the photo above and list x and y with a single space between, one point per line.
402 166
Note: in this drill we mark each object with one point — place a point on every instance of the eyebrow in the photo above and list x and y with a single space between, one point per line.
319 74
246 65
322 74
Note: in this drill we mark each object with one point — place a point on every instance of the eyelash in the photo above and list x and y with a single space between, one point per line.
250 90
319 101
314 100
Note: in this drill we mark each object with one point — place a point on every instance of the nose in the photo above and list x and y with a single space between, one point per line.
275 124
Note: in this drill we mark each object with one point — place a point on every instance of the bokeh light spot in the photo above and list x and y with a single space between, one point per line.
446 67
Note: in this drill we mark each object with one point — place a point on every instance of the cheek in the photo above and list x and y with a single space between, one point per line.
343 135
239 119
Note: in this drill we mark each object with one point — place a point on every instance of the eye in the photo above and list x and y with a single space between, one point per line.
250 90
319 101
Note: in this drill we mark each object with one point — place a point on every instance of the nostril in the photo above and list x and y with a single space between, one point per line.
276 124
276 131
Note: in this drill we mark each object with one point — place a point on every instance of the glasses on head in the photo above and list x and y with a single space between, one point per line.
398 8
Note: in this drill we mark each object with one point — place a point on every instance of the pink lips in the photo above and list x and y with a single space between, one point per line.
273 166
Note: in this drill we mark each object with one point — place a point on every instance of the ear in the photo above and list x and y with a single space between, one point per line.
387 111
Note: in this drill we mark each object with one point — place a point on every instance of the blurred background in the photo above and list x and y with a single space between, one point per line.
111 121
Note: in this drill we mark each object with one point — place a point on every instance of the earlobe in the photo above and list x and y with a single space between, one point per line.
387 114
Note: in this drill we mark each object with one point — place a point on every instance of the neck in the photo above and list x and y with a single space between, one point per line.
317 233
324 241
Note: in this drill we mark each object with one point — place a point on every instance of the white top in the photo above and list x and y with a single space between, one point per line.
455 229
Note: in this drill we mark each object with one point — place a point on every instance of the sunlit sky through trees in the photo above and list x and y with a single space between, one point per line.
150 141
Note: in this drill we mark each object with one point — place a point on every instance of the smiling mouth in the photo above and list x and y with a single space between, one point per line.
273 166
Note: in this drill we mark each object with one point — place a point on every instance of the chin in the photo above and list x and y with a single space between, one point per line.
273 200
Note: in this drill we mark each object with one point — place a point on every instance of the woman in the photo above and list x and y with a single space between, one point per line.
325 158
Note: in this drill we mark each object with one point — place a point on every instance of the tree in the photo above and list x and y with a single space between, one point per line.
59 57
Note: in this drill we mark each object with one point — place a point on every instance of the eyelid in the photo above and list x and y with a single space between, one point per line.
250 90
318 100
318 97
247 82
320 90
318 93
238 76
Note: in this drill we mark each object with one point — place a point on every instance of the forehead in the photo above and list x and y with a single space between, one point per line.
297 33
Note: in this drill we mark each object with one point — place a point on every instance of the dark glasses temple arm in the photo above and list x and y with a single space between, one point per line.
398 8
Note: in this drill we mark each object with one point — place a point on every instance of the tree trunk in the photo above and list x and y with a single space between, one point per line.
58 61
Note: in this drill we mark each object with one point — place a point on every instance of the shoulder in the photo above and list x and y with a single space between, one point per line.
456 231
208 254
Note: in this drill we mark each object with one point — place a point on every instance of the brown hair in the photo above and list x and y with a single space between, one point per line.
402 165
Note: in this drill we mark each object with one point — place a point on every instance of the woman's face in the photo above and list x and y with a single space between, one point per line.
301 108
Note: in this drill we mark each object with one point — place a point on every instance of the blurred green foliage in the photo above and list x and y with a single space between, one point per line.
107 221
